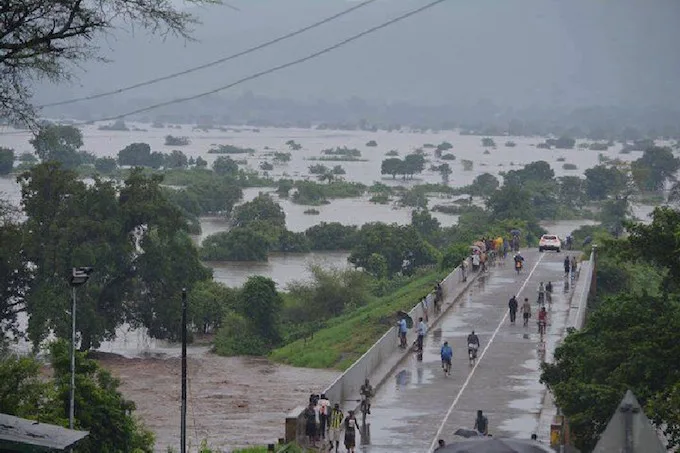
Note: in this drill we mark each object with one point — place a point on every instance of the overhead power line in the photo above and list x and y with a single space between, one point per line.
211 63
279 67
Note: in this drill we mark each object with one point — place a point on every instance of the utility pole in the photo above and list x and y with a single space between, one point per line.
184 372
72 391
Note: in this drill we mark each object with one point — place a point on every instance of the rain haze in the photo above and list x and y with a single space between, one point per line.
521 54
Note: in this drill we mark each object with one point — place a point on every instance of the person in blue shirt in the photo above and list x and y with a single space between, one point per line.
447 354
403 328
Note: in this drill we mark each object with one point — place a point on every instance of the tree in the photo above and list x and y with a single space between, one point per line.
15 269
332 236
238 244
40 39
445 171
488 143
99 406
393 242
536 172
338 170
135 155
261 209
393 166
318 169
656 166
6 160
414 163
261 305
511 202
208 302
484 185
133 236
602 182
176 159
571 191
426 225
658 242
225 165
105 165
201 163
59 144
627 343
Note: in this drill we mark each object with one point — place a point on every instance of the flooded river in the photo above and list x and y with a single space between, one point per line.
237 401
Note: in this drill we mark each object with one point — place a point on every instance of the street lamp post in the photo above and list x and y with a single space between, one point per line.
79 276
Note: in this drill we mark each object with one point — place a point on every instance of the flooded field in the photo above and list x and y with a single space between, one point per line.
238 401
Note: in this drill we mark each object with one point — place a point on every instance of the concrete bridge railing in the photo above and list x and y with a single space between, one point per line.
553 427
345 389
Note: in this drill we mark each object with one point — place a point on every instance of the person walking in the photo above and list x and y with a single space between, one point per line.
351 429
422 330
335 427
526 311
512 306
403 329
567 265
310 423
324 409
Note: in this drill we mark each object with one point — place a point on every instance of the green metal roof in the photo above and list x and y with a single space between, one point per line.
22 435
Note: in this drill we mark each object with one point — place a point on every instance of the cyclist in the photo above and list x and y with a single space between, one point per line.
542 320
366 395
473 345
446 354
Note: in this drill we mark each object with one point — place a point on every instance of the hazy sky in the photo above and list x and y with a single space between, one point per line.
513 52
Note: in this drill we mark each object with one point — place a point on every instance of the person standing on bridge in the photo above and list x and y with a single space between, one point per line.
335 427
513 305
567 265
310 423
403 329
324 408
422 330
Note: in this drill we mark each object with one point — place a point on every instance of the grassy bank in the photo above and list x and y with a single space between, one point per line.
349 336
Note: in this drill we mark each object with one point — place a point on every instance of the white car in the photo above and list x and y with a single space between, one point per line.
549 242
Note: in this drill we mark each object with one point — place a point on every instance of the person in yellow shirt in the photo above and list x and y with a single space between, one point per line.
335 426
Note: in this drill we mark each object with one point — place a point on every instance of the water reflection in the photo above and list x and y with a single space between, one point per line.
403 378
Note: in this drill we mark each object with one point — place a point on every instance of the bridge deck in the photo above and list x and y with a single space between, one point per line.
418 404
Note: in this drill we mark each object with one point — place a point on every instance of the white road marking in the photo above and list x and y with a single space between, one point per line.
434 444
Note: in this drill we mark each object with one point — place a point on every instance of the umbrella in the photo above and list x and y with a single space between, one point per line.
475 248
481 245
515 232
409 320
495 445
467 433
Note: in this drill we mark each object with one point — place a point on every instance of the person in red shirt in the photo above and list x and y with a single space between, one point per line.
542 320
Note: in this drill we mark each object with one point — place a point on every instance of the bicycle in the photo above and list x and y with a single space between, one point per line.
472 353
541 328
363 409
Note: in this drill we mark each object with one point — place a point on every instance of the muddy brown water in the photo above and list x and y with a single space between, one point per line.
231 401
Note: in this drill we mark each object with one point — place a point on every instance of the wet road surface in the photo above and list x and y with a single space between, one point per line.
419 405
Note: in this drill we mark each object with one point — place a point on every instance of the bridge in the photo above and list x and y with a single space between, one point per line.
415 404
